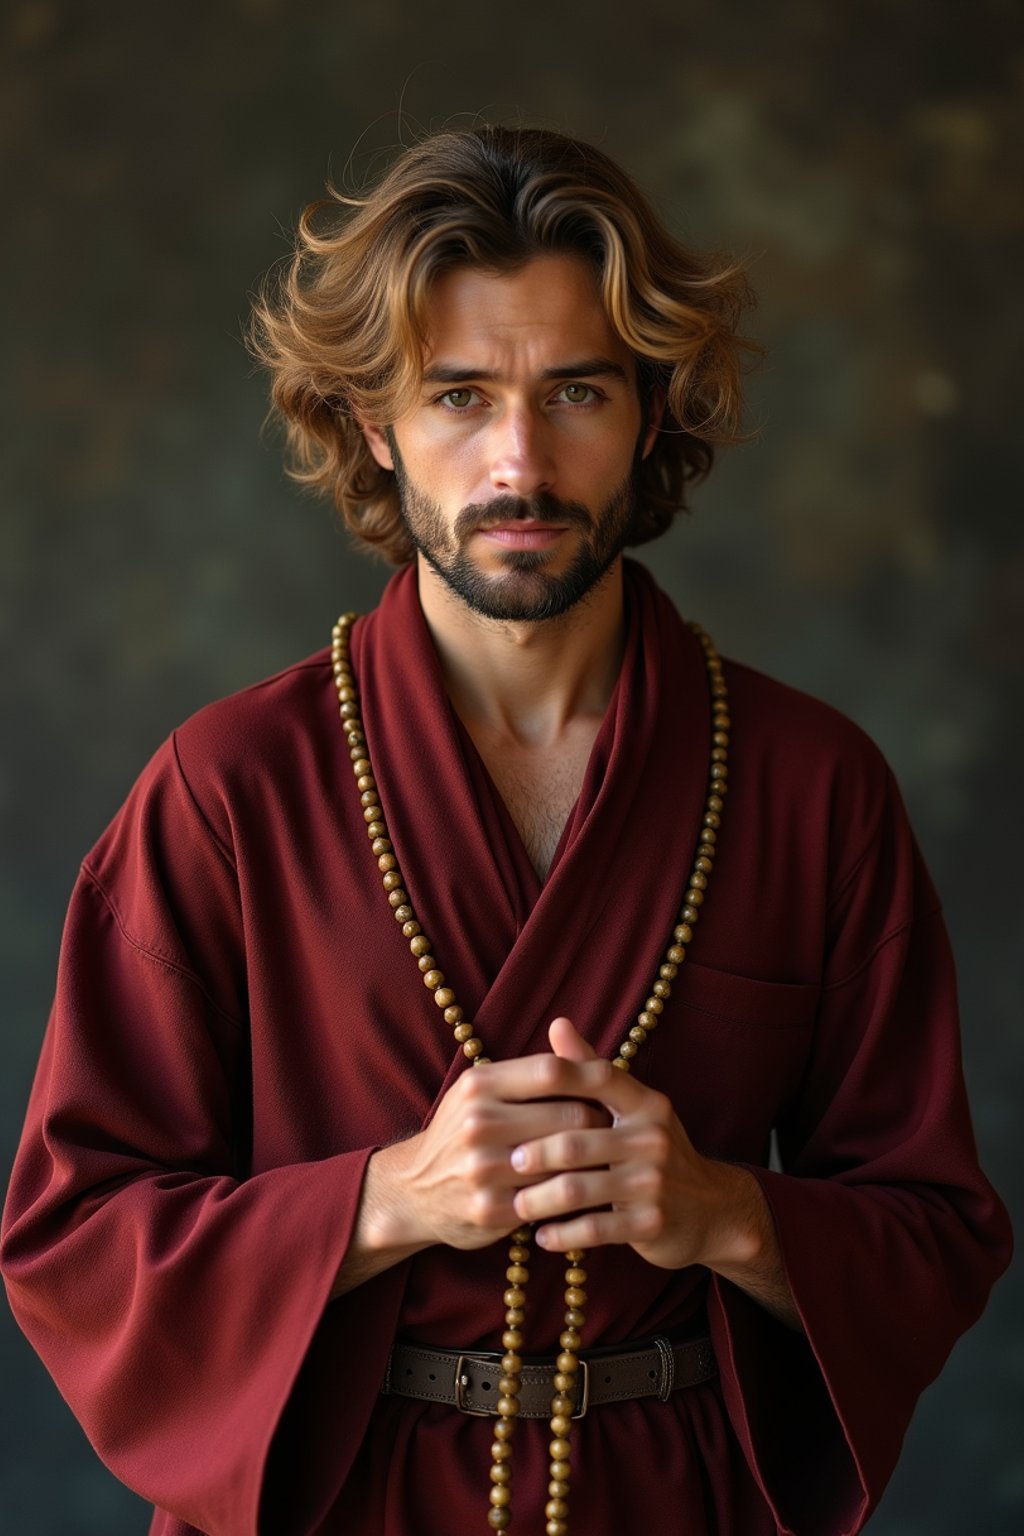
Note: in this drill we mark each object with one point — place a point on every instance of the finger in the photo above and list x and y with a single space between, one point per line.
549 1076
569 1194
567 1042
584 1147
598 1229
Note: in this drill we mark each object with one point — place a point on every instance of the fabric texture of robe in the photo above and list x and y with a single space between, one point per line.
238 1024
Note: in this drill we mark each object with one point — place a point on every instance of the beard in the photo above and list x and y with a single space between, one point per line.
524 590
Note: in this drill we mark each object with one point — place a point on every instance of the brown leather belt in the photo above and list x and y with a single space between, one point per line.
469 1380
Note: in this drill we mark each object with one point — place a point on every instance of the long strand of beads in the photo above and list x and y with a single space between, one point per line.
499 1515
703 863
562 1405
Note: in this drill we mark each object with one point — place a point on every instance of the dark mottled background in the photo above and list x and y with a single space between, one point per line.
867 547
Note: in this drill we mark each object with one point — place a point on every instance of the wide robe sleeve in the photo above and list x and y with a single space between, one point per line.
890 1235
172 1296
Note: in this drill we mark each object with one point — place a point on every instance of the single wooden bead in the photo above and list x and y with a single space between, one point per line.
575 1317
349 710
557 1490
556 1528
574 1255
420 945
515 1316
380 845
433 979
393 882
563 1381
628 1049
481 1061
668 971
694 898
361 765
683 933
704 864
371 813
512 1339
698 882
511 1363
376 829
711 819
675 954
517 1274
559 1450
570 1338
574 1276
515 1296
562 1403
500 1496
426 961
715 803
463 1032
690 910
719 771
411 929
568 1360
510 1386
719 754
560 1468
402 912
368 797
720 738
662 989
453 1015
638 1034
575 1296
559 1424
366 781
386 861
472 1047
519 1253
500 1450
499 1519
621 1063
645 1021
503 1429
443 996
501 1472
508 1406
556 1509
654 1004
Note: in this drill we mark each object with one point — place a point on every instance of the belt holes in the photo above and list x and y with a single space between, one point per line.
408 1370
485 1386
432 1376
653 1375
607 1380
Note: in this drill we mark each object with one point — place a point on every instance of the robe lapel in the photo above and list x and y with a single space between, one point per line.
588 942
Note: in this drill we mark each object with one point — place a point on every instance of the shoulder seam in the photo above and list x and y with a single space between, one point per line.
226 853
876 949
149 952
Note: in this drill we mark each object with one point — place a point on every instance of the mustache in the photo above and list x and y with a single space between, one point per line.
543 508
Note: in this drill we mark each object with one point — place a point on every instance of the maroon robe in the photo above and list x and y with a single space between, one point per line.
239 1023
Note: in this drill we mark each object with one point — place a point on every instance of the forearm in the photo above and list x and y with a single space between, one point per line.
384 1232
746 1249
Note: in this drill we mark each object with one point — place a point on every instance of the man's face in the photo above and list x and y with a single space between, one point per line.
517 469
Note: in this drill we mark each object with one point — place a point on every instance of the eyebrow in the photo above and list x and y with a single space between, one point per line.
583 368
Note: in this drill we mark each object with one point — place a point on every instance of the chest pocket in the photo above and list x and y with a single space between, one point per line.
730 1052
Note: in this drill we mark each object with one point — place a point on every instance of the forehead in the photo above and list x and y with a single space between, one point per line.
551 305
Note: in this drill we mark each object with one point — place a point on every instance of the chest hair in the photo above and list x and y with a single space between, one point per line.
539 785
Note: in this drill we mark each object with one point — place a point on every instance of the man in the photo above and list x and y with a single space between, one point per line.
260 1224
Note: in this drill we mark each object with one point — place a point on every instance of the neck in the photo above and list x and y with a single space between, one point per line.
527 681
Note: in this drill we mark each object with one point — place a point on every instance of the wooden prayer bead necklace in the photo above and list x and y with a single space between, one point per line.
556 1510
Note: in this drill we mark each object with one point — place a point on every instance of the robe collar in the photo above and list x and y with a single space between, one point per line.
587 942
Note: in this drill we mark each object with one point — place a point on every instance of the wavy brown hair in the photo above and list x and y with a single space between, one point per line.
343 328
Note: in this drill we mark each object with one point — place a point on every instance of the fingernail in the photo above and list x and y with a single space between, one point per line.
544 1237
519 1158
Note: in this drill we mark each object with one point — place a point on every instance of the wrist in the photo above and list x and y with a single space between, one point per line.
738 1234
388 1218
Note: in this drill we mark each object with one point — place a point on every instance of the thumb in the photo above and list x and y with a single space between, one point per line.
567 1042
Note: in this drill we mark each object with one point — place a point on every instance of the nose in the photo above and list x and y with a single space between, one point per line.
521 460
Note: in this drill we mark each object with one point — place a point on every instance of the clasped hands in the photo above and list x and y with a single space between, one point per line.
584 1151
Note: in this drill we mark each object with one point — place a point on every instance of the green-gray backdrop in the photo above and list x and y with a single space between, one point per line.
867 547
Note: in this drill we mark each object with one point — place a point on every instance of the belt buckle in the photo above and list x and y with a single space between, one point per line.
583 1392
462 1382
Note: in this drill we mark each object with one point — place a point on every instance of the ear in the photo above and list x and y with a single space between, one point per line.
655 416
376 441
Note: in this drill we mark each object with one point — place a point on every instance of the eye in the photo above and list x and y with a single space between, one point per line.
457 399
578 394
